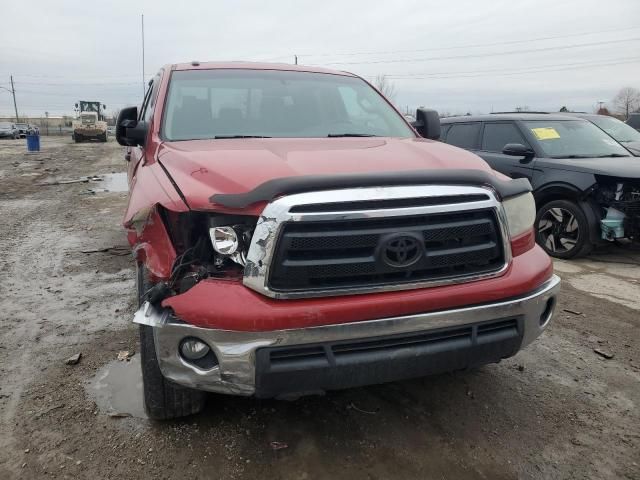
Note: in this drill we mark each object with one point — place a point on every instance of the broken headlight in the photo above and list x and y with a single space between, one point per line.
521 213
231 241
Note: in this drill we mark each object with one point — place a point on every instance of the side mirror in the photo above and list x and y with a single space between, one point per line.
427 123
518 150
129 131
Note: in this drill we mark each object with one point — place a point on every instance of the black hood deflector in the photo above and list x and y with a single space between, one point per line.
267 191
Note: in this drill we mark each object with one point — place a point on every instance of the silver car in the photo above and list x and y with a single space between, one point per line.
9 130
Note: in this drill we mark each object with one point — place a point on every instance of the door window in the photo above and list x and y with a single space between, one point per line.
497 135
464 135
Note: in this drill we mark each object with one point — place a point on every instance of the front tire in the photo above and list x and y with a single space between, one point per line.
163 399
562 229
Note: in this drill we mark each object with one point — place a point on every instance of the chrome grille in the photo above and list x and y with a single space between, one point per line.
338 254
312 245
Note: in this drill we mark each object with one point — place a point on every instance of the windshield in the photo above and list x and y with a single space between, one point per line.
5 125
574 139
617 129
272 103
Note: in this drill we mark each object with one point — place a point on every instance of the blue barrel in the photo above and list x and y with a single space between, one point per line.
33 142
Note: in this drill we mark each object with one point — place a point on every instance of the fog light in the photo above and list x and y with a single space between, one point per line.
194 349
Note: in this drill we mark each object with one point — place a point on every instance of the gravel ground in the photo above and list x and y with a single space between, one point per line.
556 410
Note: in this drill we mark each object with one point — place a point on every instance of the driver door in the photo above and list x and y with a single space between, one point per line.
495 135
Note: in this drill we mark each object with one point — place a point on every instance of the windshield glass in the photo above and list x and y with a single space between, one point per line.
271 103
617 129
574 138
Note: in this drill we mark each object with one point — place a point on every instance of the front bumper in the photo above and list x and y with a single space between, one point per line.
299 361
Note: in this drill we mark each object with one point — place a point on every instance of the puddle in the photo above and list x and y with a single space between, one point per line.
110 182
117 388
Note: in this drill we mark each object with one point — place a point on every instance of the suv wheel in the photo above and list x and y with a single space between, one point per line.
562 229
163 399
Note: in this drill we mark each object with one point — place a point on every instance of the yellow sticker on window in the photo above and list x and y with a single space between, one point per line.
545 133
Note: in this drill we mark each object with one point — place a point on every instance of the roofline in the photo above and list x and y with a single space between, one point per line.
243 65
496 117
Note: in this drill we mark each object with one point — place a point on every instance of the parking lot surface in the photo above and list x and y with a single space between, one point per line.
568 406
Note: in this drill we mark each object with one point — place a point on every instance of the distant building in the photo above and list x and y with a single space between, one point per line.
41 122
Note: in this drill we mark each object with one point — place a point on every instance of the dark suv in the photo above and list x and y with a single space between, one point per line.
586 185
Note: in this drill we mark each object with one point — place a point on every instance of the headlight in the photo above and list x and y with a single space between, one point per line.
232 242
521 213
224 240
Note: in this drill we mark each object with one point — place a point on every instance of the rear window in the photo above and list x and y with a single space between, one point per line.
272 103
497 135
464 135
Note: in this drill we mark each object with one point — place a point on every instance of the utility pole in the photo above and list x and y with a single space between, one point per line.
143 84
13 92
296 58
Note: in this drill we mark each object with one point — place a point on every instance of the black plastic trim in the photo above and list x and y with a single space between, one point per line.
319 367
267 191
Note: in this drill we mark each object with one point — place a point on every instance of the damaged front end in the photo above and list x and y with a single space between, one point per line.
618 201
181 249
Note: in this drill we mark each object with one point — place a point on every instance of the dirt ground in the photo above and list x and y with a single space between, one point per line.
556 410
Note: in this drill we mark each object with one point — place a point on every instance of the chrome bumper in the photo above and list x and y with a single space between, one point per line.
236 350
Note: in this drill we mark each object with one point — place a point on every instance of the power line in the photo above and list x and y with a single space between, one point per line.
510 69
525 72
474 45
479 55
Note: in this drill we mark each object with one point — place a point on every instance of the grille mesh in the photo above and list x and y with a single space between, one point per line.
314 255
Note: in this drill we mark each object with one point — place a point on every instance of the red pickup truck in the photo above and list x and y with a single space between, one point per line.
295 234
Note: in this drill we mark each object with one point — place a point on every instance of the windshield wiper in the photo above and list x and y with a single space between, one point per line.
616 155
220 137
336 135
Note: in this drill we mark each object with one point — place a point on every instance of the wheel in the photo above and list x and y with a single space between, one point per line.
102 138
562 229
77 138
163 399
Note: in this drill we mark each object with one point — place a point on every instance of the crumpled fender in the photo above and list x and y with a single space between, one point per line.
151 189
151 244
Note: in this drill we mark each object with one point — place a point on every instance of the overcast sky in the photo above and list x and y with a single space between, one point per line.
455 56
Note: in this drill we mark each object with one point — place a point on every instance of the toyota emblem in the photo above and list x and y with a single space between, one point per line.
401 251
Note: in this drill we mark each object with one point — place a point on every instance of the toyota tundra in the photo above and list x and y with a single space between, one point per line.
295 234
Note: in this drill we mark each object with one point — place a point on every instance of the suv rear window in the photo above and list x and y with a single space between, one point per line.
497 135
272 103
464 135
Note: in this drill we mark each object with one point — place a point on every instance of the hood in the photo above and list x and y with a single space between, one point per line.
202 168
633 147
628 167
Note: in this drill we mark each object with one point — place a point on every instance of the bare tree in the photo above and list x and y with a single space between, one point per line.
386 87
627 100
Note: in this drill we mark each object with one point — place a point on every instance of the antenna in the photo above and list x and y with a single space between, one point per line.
143 75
